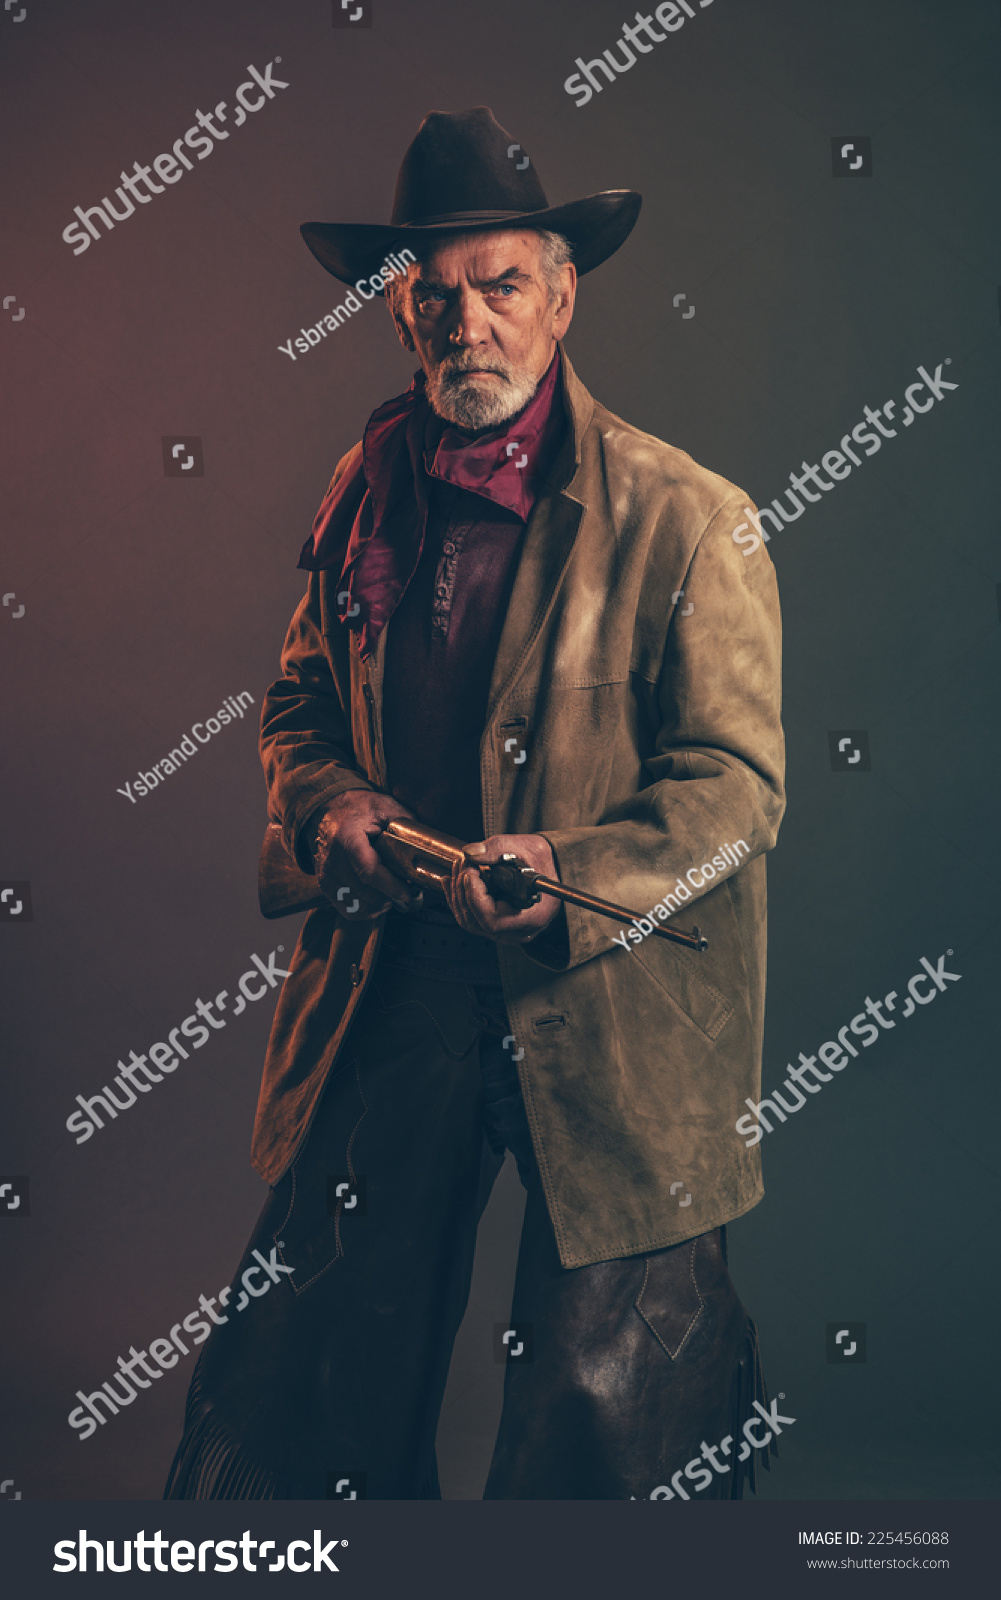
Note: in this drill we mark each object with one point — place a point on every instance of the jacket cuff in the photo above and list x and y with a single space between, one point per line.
575 935
551 947
297 819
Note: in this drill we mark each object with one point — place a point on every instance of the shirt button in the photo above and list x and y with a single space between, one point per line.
442 593
448 549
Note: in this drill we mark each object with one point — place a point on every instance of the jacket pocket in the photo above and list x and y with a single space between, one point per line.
676 973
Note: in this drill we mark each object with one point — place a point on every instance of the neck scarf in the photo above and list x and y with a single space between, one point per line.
405 448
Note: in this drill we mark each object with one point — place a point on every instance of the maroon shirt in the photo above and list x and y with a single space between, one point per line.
440 653
444 631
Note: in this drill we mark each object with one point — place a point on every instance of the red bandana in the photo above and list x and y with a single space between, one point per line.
404 447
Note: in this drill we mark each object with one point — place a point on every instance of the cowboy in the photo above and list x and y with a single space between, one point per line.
540 630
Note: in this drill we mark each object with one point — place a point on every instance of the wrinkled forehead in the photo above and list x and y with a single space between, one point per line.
477 256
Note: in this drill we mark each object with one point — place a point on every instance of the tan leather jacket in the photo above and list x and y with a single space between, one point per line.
639 668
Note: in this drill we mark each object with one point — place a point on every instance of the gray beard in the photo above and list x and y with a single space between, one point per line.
464 401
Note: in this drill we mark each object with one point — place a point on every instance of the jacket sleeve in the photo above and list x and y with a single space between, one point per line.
717 760
306 743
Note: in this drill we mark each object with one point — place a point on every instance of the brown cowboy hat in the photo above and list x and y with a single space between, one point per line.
464 171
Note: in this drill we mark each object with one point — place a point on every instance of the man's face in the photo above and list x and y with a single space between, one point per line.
478 313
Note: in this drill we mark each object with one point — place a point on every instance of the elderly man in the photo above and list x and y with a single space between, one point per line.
538 629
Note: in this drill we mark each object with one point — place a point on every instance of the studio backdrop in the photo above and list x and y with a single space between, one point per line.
808 305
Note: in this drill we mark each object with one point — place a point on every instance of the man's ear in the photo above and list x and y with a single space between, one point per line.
565 300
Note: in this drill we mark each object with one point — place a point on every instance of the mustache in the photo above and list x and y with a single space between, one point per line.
454 366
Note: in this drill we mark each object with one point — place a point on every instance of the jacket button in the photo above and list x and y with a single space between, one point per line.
355 975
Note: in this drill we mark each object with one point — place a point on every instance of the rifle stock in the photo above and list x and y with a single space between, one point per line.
282 886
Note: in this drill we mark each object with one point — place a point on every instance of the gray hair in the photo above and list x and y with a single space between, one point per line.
555 251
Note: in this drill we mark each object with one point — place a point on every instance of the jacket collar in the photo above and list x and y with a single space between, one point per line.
579 407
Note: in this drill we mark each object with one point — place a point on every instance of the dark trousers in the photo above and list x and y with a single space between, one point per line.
330 1384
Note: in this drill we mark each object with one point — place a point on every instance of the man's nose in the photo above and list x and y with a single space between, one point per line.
470 321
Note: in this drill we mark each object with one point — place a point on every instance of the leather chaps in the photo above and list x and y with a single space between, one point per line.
330 1384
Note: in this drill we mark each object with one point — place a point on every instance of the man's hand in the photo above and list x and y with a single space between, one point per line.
347 868
475 910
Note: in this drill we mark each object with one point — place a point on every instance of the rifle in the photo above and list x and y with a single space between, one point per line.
425 857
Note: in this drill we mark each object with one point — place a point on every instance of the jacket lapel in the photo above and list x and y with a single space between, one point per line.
549 539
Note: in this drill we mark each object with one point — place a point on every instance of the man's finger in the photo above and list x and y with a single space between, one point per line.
491 915
465 904
385 882
373 873
494 905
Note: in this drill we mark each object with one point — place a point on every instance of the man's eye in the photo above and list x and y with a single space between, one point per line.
506 289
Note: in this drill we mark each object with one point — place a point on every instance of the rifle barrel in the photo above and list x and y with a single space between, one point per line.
695 940
442 848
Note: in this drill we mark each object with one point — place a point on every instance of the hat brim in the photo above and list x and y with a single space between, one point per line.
595 226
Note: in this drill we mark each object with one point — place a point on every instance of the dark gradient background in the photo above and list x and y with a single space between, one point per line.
148 599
